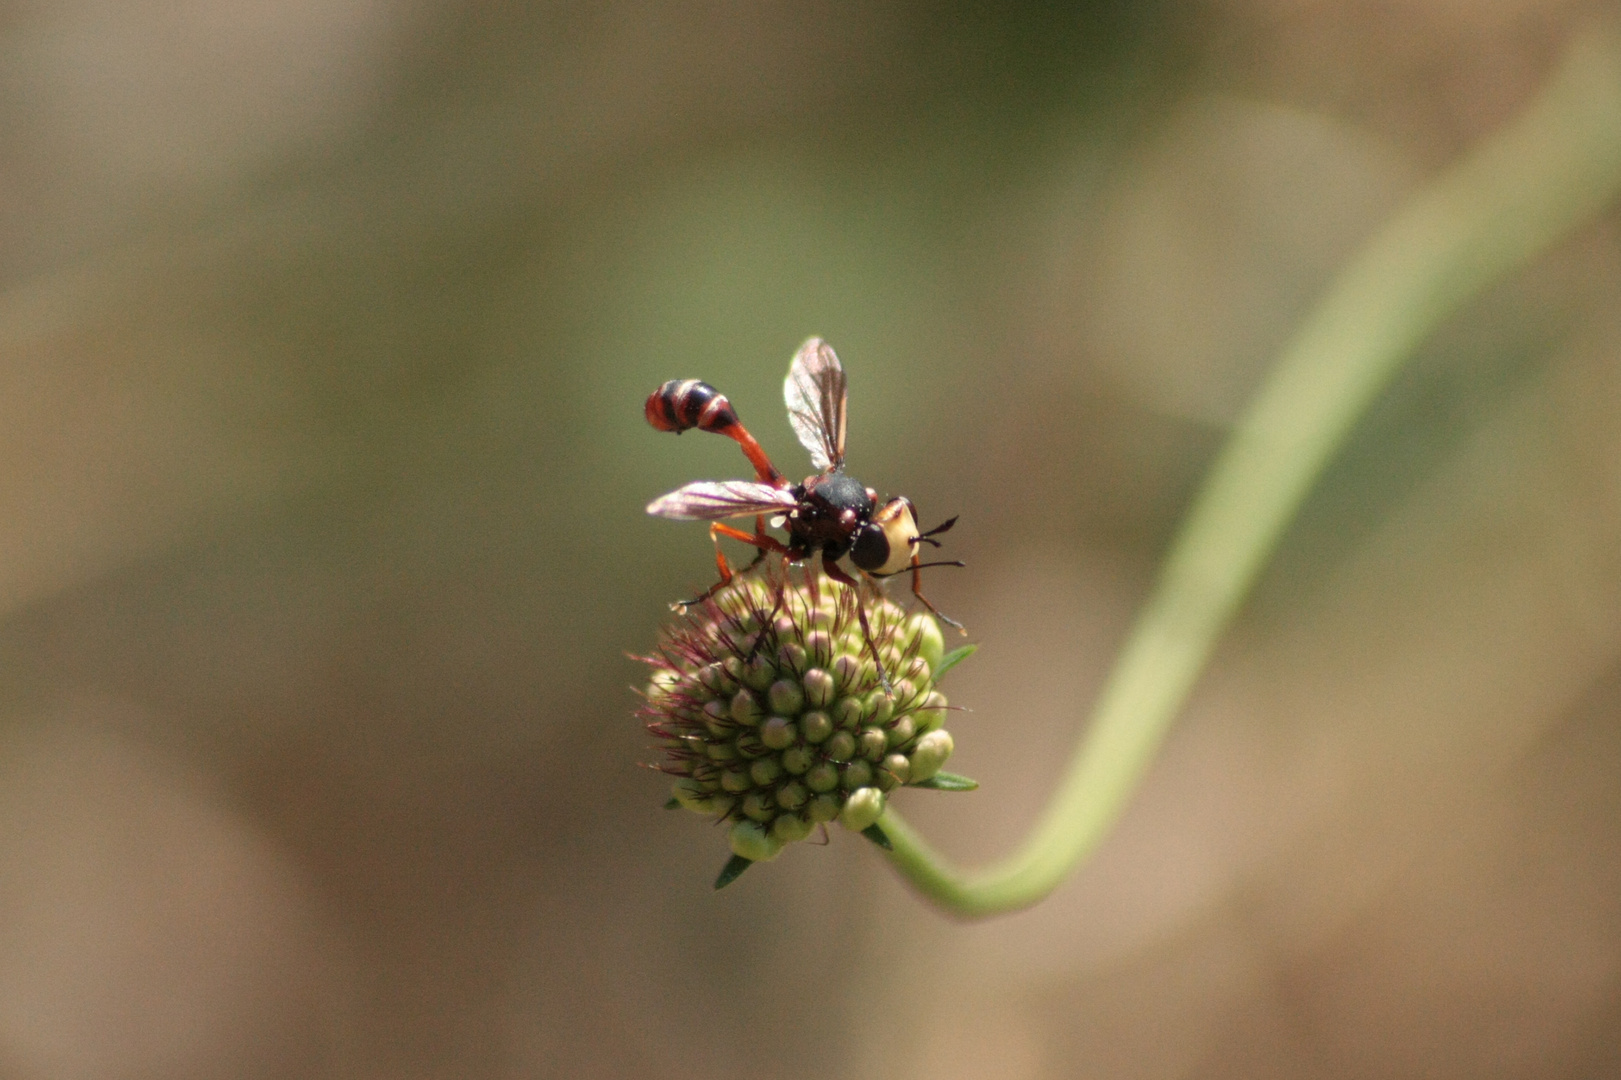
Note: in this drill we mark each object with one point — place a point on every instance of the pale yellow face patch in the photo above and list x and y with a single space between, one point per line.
900 529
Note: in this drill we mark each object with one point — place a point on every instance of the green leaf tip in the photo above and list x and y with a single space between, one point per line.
952 659
732 870
946 781
672 803
878 836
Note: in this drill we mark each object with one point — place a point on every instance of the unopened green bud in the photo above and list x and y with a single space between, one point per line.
817 726
856 774
863 808
713 679
750 840
792 795
736 781
791 657
901 731
847 712
823 776
894 770
721 751
786 697
778 733
819 646
932 751
765 770
824 808
841 746
925 631
718 718
880 707
797 759
932 713
790 828
759 806
746 708
759 674
846 671
873 743
691 794
819 688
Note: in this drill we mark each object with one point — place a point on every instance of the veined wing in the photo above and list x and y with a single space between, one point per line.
816 391
711 500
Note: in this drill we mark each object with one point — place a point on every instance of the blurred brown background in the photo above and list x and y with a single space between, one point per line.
324 332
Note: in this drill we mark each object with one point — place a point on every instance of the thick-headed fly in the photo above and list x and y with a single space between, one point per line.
830 512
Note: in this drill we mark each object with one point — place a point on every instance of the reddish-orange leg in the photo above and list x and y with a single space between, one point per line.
758 539
836 572
917 591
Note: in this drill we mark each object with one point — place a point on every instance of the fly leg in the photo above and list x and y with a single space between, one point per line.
917 591
758 539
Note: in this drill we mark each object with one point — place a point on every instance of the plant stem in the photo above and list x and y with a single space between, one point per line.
1555 166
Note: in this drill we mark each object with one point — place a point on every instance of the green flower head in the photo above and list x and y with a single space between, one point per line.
772 715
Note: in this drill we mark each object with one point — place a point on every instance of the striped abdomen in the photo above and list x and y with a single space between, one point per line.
687 403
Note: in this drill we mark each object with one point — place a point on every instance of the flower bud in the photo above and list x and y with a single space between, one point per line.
791 658
759 673
778 733
932 713
789 828
923 630
873 743
759 806
932 752
691 794
819 645
823 776
819 688
846 672
786 697
901 731
847 712
746 708
857 774
863 808
816 726
824 808
840 747
750 840
895 769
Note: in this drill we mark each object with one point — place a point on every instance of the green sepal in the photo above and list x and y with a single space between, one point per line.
732 870
948 781
876 835
672 803
953 658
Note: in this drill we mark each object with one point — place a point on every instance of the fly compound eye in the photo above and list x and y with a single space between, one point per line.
870 551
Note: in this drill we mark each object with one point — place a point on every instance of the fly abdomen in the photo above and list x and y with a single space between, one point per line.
681 404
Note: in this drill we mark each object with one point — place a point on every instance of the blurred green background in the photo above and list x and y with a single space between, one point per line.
325 328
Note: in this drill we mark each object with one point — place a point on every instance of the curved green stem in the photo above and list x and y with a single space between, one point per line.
1555 166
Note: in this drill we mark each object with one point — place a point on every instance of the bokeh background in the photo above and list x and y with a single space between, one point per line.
325 327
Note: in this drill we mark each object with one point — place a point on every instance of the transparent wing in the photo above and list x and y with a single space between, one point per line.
815 391
711 500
